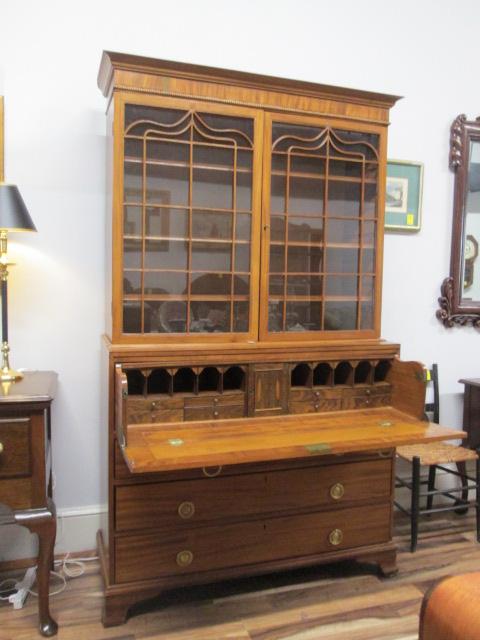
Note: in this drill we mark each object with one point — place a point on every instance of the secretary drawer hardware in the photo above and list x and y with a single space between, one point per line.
336 537
153 406
337 491
186 510
321 447
175 442
217 471
184 558
1 447
215 414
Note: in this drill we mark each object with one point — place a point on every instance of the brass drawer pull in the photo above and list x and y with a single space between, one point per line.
217 471
337 491
153 406
186 510
335 537
1 447
184 558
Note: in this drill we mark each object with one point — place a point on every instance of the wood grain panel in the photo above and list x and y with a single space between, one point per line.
15 436
196 444
154 555
238 497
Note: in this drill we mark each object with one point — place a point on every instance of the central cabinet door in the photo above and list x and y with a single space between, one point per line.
188 224
322 206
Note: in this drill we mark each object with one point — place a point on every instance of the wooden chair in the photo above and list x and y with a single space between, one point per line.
450 610
435 456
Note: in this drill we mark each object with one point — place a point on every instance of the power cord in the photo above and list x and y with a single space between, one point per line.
70 568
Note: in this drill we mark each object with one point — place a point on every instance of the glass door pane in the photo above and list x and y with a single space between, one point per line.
187 221
322 221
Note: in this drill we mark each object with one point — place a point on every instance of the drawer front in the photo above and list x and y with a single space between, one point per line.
201 549
211 408
154 409
236 497
313 400
362 398
15 438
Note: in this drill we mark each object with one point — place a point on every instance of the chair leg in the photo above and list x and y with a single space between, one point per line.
431 484
415 507
462 508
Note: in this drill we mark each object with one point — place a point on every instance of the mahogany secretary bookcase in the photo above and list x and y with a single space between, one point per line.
254 410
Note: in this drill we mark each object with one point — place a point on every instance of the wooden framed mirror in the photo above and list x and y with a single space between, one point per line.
460 292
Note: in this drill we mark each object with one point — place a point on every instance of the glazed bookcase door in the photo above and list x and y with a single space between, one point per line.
323 227
187 220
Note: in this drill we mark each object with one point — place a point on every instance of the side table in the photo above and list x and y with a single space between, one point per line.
471 411
26 474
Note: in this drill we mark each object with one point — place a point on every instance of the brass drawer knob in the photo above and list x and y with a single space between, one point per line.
335 537
215 471
184 558
1 447
153 406
215 414
186 510
317 406
337 491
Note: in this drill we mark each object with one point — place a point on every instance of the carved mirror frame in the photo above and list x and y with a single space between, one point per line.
455 309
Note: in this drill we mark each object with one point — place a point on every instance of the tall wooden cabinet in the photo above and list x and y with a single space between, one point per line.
253 408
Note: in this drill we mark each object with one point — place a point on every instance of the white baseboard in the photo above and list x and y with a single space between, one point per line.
76 531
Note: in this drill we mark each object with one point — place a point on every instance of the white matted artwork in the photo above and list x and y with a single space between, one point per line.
396 197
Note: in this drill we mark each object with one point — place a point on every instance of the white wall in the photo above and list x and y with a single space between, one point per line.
55 151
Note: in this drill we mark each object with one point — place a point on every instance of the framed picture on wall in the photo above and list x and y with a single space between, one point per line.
403 195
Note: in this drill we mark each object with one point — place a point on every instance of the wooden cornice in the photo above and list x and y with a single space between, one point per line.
112 61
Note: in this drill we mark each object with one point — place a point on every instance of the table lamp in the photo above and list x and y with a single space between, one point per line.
14 216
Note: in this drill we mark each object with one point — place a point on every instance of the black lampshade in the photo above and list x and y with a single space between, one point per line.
14 215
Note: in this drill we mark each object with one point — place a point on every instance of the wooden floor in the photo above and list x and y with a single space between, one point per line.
342 601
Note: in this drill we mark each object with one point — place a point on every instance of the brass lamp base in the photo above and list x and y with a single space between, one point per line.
7 374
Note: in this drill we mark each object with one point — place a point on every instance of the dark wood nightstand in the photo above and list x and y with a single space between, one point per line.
25 471
471 411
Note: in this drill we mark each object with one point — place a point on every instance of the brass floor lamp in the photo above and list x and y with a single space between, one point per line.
14 216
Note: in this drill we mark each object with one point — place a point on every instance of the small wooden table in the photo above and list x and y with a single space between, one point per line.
25 472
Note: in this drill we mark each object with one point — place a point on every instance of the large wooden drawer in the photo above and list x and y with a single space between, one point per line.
183 503
193 550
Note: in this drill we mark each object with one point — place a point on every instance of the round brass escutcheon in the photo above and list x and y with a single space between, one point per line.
335 537
184 558
186 510
337 491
